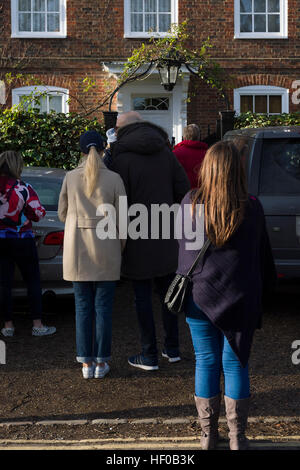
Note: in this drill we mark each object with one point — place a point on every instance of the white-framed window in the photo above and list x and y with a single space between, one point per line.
261 99
48 98
261 19
145 18
38 18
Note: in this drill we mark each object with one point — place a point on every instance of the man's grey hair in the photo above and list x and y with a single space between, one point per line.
128 118
191 132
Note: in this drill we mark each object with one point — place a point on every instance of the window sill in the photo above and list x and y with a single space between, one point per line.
39 36
259 36
145 35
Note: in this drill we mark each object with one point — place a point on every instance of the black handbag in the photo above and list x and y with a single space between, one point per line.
176 294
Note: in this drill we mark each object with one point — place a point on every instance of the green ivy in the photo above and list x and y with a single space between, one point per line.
249 119
49 140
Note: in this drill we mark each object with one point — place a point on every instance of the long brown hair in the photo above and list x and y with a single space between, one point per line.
11 163
223 191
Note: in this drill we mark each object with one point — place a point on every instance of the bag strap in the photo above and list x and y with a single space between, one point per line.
199 256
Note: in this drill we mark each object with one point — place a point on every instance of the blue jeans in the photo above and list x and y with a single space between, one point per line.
143 301
93 305
214 354
21 252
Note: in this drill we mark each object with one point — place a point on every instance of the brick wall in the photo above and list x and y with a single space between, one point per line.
95 35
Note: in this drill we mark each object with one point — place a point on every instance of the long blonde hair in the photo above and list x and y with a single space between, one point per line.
91 170
223 191
11 163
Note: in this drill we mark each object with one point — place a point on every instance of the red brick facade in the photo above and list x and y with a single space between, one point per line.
95 34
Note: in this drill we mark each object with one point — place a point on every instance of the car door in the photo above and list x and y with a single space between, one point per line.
276 163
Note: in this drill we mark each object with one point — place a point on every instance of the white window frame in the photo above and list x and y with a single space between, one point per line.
127 22
283 34
15 33
55 91
261 90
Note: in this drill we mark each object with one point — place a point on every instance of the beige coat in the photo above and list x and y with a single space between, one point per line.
85 256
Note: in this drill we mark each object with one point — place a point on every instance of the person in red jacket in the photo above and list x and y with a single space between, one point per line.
190 152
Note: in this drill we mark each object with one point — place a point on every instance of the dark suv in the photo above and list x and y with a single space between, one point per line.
272 158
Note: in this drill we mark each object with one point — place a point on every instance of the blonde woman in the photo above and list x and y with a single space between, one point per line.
90 260
19 206
225 305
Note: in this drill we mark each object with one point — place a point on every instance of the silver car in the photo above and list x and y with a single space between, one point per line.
49 233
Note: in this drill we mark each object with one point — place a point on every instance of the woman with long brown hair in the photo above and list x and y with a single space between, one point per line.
225 305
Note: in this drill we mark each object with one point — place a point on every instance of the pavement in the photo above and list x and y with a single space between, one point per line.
142 443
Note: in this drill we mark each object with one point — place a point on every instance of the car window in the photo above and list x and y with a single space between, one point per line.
47 189
280 167
244 145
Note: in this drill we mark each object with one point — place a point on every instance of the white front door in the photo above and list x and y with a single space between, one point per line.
156 109
155 104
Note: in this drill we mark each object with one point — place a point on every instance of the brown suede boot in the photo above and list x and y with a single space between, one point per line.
208 412
237 416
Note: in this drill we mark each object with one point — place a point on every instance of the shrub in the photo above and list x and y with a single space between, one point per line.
50 140
262 120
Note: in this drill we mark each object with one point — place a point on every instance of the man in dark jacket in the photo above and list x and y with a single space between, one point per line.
152 176
190 152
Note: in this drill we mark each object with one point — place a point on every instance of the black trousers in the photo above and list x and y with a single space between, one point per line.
143 299
23 253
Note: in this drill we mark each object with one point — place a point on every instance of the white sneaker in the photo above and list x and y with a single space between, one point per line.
8 332
43 331
101 372
88 372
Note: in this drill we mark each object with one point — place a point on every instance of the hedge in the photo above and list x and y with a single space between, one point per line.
50 140
261 120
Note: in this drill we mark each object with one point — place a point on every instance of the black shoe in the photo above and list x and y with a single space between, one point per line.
171 356
142 362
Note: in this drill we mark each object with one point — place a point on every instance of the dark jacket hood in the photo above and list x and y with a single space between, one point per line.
141 137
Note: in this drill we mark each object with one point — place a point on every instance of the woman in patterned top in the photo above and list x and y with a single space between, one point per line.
19 206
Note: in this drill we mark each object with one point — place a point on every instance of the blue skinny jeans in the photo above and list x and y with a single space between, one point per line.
213 354
93 305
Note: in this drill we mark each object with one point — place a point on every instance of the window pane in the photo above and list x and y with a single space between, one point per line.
260 6
246 103
273 6
165 5
260 24
24 22
137 6
24 5
261 104
53 5
55 103
275 104
38 22
53 22
246 23
136 23
39 5
25 102
150 5
43 104
274 23
150 23
246 6
164 23
280 171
